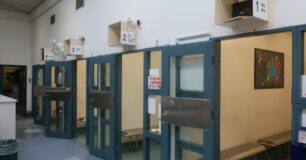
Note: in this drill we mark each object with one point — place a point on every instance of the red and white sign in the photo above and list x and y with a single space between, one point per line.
154 82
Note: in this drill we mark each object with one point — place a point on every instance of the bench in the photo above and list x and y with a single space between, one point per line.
129 133
137 133
276 142
242 151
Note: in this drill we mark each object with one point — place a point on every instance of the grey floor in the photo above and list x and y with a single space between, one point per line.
35 146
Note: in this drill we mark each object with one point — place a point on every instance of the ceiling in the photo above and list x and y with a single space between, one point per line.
21 6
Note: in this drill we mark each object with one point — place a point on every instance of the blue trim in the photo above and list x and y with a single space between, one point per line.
255 33
36 69
297 70
1 78
148 135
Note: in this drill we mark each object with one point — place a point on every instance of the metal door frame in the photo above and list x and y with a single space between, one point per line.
115 122
299 103
70 81
210 49
36 68
211 145
1 78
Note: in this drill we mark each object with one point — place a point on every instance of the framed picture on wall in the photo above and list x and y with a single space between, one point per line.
269 69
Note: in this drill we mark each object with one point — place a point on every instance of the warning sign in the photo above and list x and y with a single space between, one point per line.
154 82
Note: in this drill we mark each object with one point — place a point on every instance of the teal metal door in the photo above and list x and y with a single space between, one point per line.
299 94
60 113
190 71
1 78
37 100
104 135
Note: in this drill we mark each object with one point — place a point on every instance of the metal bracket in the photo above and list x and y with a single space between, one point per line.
57 94
195 113
101 99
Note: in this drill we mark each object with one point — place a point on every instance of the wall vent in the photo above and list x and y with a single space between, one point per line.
79 4
52 19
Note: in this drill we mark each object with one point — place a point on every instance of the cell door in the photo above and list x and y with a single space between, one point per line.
299 95
104 136
1 78
59 106
189 72
37 99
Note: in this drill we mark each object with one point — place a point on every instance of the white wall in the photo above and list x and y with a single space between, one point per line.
15 48
162 20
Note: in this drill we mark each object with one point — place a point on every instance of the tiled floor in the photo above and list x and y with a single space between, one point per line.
43 148
35 146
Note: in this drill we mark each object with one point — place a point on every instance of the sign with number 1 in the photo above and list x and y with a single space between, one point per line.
260 9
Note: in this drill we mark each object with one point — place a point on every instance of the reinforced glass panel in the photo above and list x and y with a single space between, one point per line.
39 100
155 150
101 75
192 135
173 76
101 134
96 78
156 64
61 77
303 73
40 77
39 104
97 128
189 155
303 118
57 114
107 74
155 113
192 73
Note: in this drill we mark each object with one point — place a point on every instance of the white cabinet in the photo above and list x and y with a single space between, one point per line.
7 118
262 13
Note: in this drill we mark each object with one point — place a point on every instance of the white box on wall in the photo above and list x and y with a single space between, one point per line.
73 47
262 14
122 33
260 9
47 54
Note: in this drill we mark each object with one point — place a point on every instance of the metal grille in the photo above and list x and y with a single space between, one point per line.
79 4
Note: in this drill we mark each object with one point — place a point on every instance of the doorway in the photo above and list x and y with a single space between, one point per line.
14 85
255 100
81 102
37 99
132 105
59 99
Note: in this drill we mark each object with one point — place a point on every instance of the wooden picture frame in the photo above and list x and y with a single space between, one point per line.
268 69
